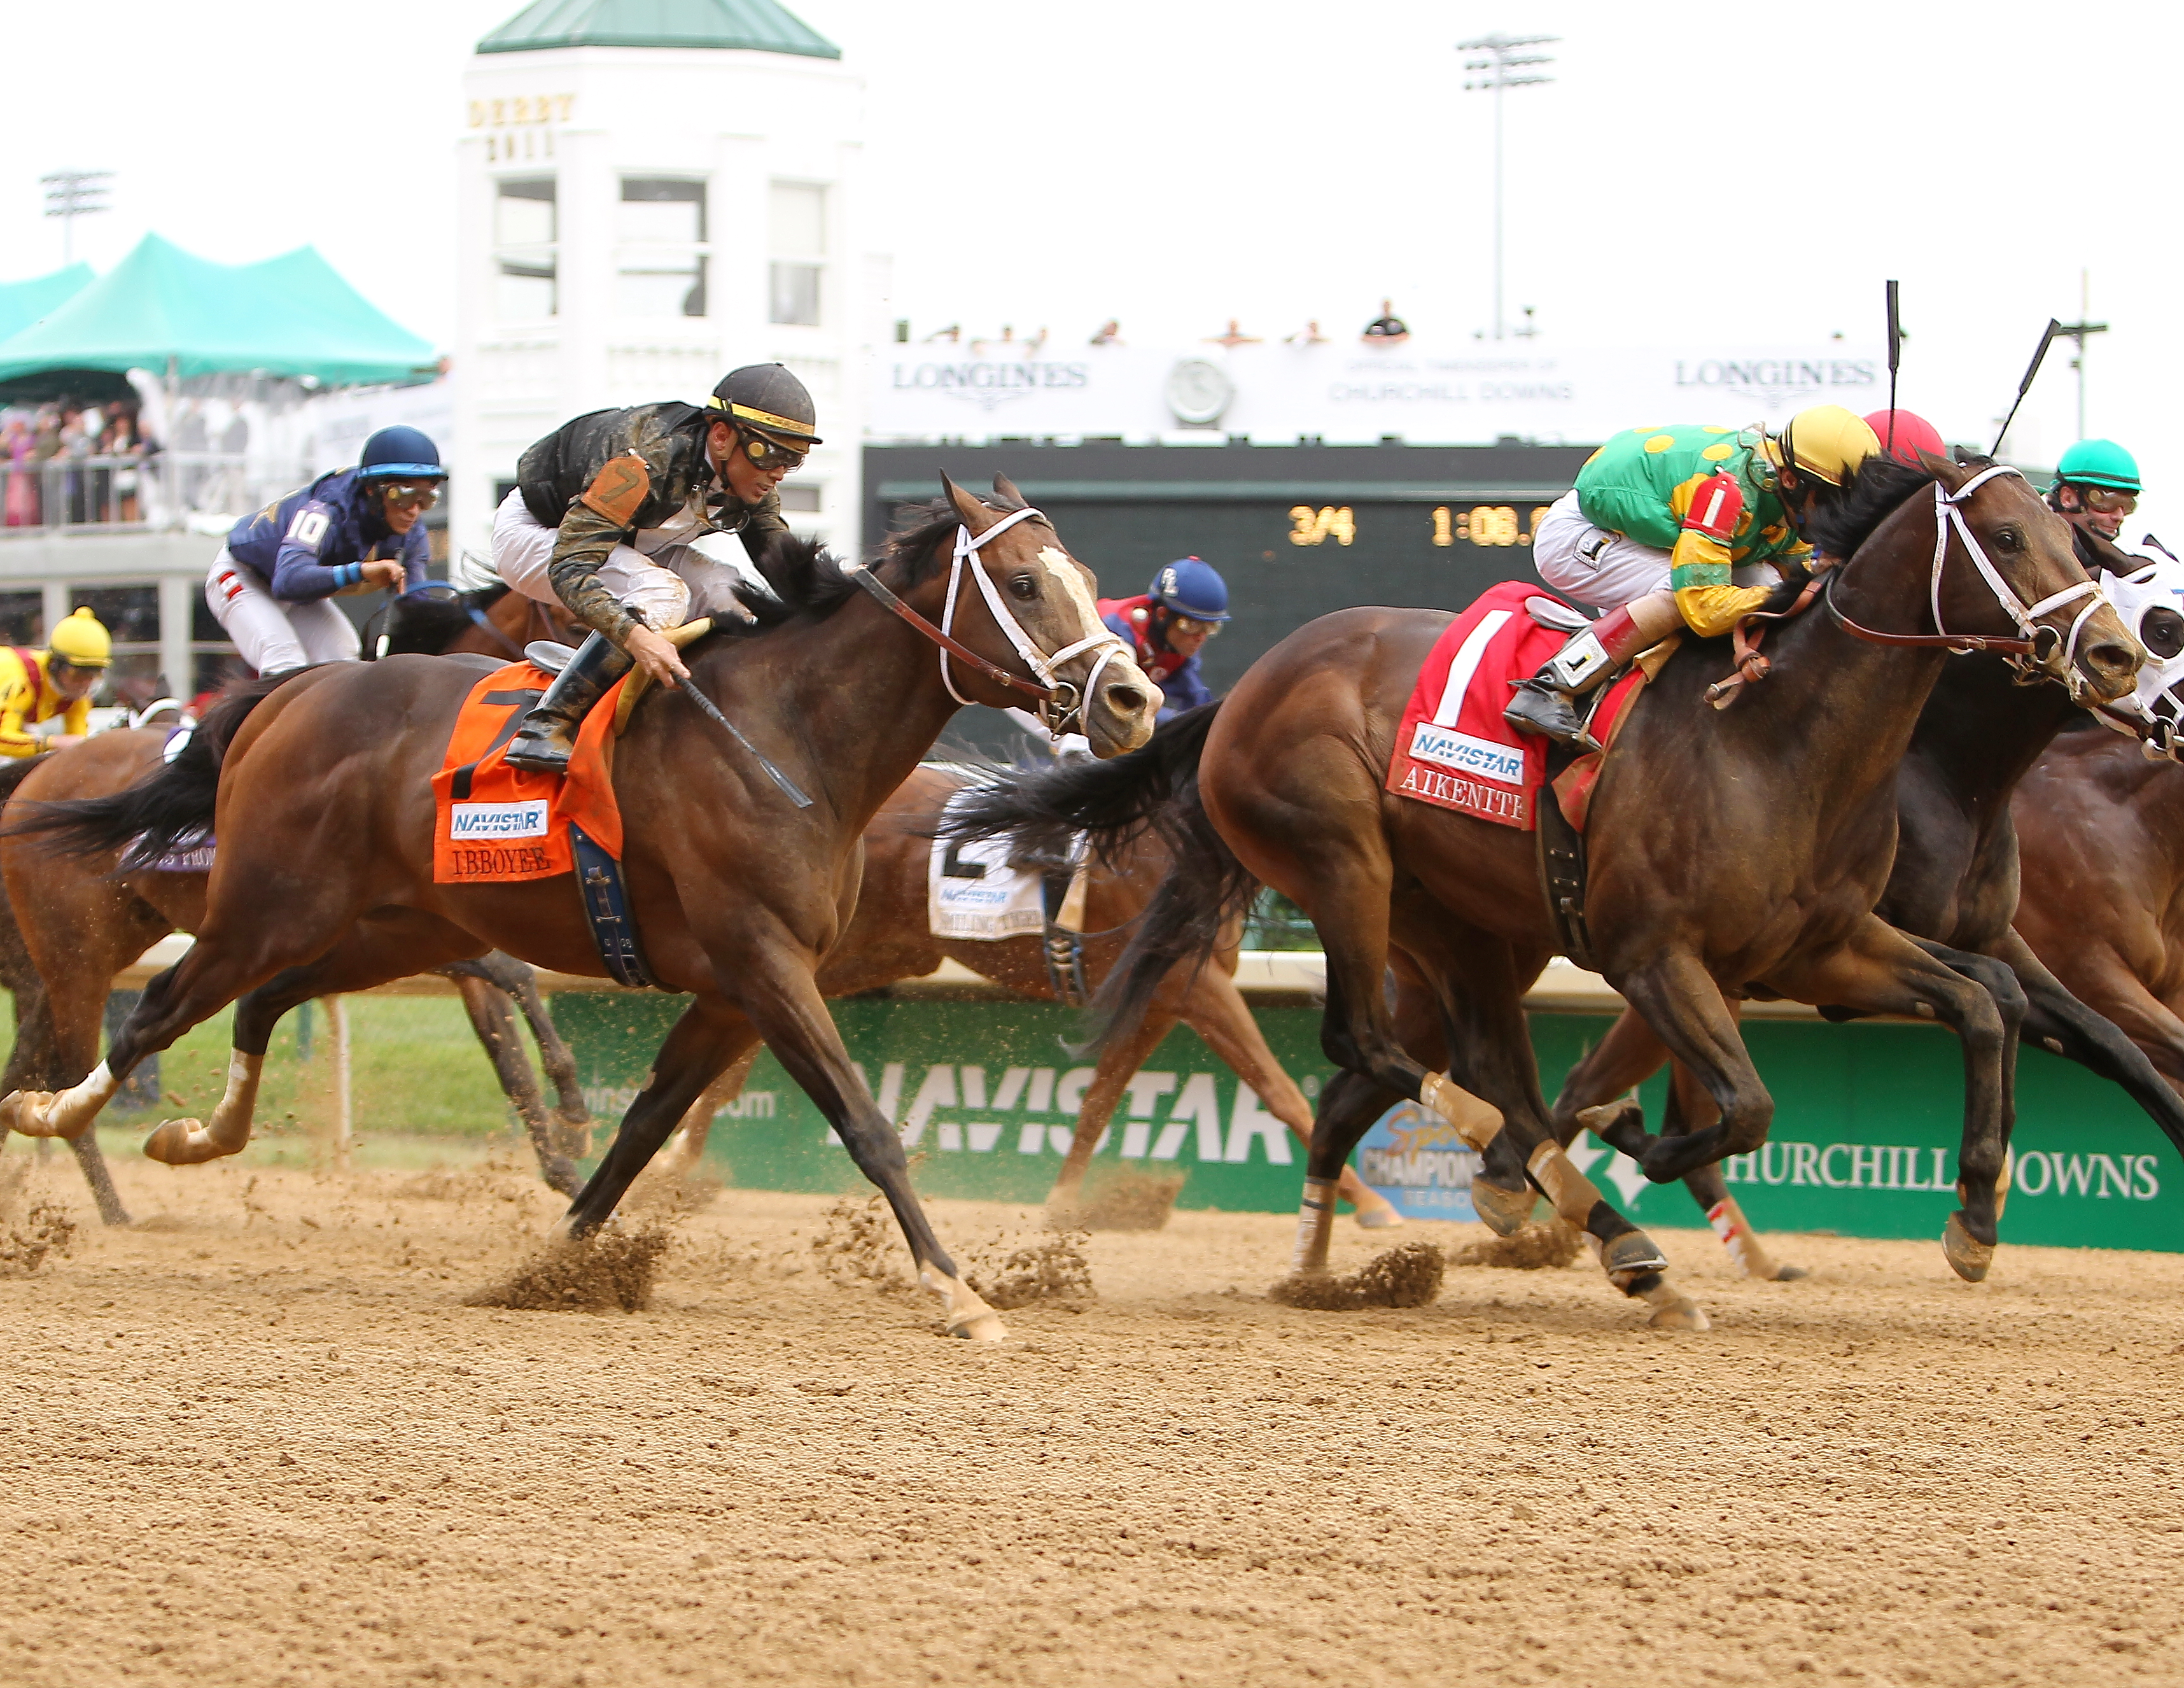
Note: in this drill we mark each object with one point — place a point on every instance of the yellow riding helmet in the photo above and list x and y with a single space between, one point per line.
81 642
1823 441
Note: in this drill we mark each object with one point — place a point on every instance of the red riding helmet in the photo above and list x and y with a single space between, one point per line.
1914 434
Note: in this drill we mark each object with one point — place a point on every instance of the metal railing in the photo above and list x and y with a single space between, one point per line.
160 489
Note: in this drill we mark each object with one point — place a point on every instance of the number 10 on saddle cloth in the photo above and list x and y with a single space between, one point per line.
494 824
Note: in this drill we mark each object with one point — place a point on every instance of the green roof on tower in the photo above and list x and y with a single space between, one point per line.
756 25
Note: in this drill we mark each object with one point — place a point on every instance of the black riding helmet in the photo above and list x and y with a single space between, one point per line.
767 400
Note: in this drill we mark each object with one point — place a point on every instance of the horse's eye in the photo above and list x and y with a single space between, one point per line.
2161 630
2008 539
1023 586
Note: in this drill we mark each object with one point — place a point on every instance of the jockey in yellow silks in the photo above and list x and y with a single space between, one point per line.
37 685
1677 527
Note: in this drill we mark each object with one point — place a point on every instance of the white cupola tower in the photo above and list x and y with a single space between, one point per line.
654 192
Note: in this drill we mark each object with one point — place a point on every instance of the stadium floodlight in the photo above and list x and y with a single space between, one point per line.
73 194
1504 64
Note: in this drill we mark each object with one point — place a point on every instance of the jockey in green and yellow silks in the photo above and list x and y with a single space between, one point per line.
1679 525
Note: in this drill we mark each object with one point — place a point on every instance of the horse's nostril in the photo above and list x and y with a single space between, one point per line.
1126 700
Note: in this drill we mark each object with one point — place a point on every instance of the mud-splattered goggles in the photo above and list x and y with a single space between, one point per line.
404 495
1189 625
2108 500
771 454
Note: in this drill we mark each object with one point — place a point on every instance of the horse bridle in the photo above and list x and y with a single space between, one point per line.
2035 642
1059 701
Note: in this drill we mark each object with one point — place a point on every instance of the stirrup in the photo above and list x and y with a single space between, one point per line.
1540 708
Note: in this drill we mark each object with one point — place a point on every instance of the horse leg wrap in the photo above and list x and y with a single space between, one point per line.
1742 1243
65 1113
1315 1226
185 1142
1573 1194
962 1308
1477 1122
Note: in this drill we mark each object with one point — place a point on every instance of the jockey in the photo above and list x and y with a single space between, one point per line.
615 514
1677 527
1168 627
2096 486
1905 435
38 685
273 585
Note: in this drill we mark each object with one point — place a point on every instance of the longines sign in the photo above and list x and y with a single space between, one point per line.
1426 394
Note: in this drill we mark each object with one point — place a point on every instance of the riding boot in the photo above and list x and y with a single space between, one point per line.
1547 702
548 737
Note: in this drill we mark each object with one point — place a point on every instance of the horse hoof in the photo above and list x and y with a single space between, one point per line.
1790 1274
10 1106
984 1326
1970 1258
1632 1252
1378 1219
1502 1212
180 1143
1680 1312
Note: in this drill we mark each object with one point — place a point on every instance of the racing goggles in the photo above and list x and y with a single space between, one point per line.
769 453
1189 625
410 495
2108 500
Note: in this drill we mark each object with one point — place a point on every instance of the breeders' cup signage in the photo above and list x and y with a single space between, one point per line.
1456 394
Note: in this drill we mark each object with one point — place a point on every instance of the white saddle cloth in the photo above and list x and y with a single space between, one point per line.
972 891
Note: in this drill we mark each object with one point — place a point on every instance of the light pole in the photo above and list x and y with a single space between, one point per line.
2078 331
72 193
1501 57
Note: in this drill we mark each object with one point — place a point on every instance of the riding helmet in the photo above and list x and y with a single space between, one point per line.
1190 587
2099 463
399 454
1824 441
1910 435
82 641
768 400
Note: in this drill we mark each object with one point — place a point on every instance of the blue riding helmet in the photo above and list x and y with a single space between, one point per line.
1190 587
399 454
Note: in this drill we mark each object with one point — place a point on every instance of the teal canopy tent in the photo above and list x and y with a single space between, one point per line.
23 303
162 308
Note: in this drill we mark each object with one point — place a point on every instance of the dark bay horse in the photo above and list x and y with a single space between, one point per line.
891 938
1733 854
738 893
68 926
2101 831
491 621
1978 757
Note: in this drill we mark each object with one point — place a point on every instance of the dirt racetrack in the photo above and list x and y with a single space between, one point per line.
260 1439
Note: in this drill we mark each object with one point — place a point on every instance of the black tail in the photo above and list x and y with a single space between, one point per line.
1114 803
168 811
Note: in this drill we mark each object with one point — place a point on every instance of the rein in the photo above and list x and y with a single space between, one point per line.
1059 701
1948 515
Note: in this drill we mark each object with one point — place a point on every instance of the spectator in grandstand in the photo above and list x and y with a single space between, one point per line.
1387 326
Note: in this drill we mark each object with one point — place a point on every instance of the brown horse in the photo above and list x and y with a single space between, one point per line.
491 620
1733 854
2101 831
891 938
70 924
737 891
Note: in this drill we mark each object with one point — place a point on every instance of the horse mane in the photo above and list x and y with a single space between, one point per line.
424 626
1844 517
808 579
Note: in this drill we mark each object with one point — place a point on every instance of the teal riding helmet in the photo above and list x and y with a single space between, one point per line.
2099 463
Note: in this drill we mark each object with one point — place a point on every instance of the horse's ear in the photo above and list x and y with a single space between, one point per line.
976 516
1007 490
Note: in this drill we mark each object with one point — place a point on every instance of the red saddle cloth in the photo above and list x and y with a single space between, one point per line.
1454 748
494 824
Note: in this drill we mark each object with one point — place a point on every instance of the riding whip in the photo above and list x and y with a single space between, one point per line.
1895 357
2025 386
787 786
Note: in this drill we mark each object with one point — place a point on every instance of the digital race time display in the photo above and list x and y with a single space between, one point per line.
1481 525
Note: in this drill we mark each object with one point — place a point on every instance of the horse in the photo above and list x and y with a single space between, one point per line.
738 882
1733 853
890 938
443 621
69 923
1955 887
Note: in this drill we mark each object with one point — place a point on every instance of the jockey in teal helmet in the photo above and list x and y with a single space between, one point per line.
2096 486
1169 625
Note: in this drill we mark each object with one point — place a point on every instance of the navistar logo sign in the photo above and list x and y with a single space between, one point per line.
469 821
1502 763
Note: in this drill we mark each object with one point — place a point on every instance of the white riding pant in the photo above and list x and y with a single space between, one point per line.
270 635
1605 569
671 583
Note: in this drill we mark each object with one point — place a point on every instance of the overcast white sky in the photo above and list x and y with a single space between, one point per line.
1750 175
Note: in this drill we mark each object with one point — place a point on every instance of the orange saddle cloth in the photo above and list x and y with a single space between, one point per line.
494 824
